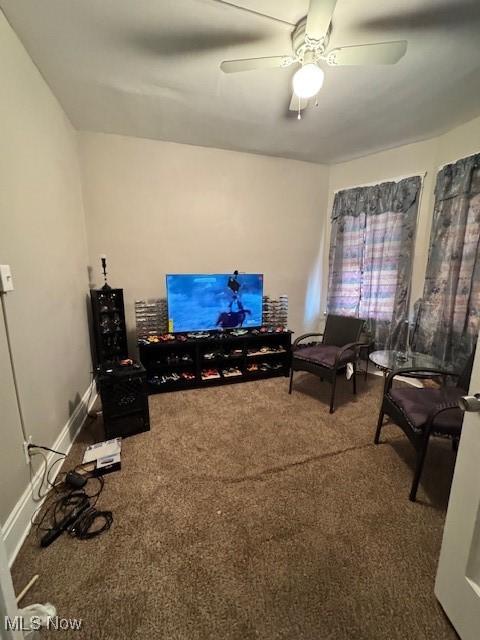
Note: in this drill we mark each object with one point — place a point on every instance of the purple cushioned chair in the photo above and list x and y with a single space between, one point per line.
425 412
340 345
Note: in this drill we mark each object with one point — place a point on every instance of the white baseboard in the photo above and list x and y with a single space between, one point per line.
18 523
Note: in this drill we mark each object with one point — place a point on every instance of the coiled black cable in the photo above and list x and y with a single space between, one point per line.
87 526
64 500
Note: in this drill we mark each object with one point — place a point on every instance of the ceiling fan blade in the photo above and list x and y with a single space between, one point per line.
252 11
445 16
251 64
365 54
190 40
319 17
297 103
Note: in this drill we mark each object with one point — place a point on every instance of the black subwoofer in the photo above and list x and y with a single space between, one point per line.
124 399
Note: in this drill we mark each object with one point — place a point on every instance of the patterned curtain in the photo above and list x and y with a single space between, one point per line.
346 259
371 251
449 313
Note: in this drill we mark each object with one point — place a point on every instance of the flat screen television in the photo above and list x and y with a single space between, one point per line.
205 302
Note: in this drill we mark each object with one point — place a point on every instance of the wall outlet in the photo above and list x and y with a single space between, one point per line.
26 450
6 282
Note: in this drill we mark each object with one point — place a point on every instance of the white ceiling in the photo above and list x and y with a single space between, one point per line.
150 68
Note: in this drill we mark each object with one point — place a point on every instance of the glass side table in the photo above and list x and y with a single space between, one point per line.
390 360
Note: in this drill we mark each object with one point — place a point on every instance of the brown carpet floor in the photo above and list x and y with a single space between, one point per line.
246 513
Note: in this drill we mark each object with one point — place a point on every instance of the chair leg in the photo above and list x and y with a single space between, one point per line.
379 426
354 378
291 381
419 468
332 396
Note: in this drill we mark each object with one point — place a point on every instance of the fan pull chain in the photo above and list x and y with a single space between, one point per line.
299 117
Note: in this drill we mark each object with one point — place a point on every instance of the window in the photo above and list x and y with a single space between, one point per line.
373 230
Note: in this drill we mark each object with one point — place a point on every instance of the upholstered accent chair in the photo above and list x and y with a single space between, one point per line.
339 345
425 412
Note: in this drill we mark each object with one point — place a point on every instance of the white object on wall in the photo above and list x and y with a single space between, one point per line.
6 281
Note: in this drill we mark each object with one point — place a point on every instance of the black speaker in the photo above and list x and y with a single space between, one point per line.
124 399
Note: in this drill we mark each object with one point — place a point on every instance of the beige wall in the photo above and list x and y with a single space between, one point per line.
42 237
158 207
14 474
460 142
414 159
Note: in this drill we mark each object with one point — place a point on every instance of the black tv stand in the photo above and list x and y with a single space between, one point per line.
181 361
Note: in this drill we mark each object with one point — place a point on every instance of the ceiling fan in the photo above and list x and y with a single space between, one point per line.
310 39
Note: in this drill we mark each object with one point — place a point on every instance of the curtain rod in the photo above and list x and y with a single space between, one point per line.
376 182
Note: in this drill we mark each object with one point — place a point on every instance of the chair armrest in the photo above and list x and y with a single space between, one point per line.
346 347
305 335
412 370
368 343
447 406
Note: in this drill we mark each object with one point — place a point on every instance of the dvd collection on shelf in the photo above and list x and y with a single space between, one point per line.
151 316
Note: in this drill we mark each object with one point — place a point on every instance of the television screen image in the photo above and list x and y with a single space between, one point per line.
204 302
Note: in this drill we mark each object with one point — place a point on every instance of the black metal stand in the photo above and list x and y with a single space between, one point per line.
109 330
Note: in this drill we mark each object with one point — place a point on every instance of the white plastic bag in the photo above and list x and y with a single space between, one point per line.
36 616
349 372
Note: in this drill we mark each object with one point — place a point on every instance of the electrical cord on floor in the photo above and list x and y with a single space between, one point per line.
45 481
70 507
91 523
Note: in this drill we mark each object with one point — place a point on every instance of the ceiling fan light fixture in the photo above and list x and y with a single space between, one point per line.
308 80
